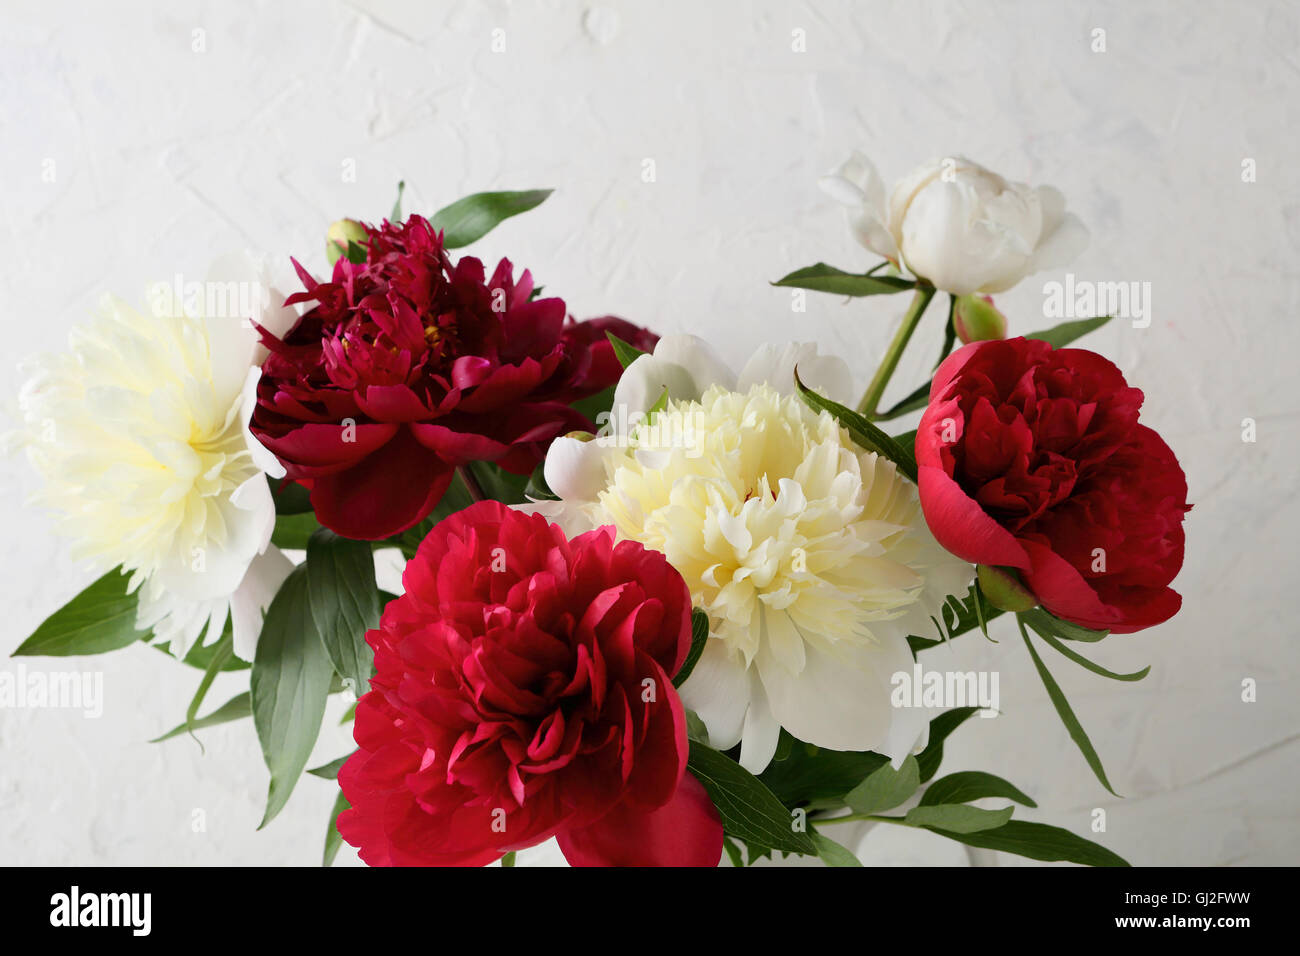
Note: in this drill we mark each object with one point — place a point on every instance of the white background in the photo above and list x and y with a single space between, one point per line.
165 157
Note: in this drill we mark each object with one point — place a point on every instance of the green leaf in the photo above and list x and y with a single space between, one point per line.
918 399
1065 333
499 484
1038 841
396 214
1093 666
333 839
293 531
860 430
537 489
806 774
976 613
222 652
289 684
824 278
1077 733
291 499
695 727
733 852
625 352
832 853
971 785
885 788
957 818
470 219
200 656
330 771
943 725
749 811
1047 624
699 635
99 619
344 603
592 406
237 708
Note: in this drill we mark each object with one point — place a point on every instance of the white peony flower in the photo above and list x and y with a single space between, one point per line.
140 431
810 555
958 225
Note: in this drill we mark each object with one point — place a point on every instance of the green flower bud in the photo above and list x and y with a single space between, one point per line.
977 320
339 235
1003 588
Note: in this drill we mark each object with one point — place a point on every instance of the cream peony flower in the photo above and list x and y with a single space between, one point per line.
960 226
810 555
140 431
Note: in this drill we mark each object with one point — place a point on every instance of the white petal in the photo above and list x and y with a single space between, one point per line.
262 456
762 731
575 470
841 698
775 365
1062 245
718 690
253 597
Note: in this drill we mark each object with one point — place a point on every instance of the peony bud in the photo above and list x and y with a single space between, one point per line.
339 235
1003 589
976 319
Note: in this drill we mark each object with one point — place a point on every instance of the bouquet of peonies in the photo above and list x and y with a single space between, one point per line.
660 609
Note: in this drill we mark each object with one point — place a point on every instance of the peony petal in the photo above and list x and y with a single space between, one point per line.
718 691
686 831
387 492
961 525
776 364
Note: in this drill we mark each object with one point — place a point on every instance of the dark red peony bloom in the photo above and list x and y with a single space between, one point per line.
522 691
408 365
1033 458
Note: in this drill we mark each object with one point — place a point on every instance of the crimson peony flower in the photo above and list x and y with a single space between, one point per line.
1033 458
409 365
522 691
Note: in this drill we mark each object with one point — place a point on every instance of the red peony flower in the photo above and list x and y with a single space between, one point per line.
1033 458
522 691
409 365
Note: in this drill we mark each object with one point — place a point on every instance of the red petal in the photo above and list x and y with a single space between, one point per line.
686 831
392 489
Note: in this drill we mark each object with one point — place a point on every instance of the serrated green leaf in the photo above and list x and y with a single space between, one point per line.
1063 710
625 352
470 219
885 788
344 602
940 728
824 278
969 785
1061 335
98 620
289 685
832 853
333 839
699 635
1038 841
749 810
863 432
237 708
957 817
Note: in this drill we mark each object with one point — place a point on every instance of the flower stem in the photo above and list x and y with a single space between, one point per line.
871 398
508 859
470 480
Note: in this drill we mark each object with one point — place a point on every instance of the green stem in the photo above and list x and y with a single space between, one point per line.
871 398
508 859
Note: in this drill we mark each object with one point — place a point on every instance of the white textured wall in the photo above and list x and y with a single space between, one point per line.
165 156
